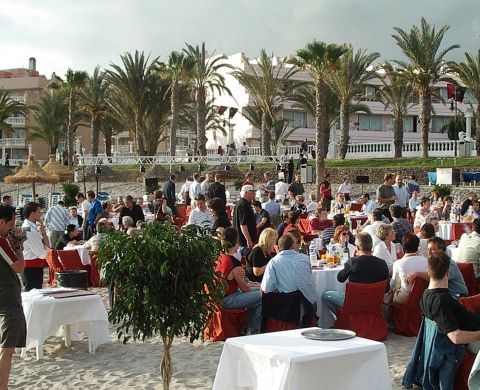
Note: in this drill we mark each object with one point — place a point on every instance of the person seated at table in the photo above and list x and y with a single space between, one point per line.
281 227
472 197
94 242
342 236
456 284
447 208
118 206
414 202
427 231
107 210
320 222
260 255
376 220
469 248
290 271
436 356
299 205
238 293
219 212
476 209
273 208
339 205
435 196
368 205
131 230
410 262
371 219
312 205
70 237
144 207
76 219
386 248
423 212
131 209
363 268
400 225
328 233
293 221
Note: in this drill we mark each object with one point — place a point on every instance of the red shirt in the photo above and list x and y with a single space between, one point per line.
323 187
225 265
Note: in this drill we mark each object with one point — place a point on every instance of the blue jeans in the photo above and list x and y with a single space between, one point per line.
333 300
244 251
252 301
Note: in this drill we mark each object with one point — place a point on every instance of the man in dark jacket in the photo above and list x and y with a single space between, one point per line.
170 195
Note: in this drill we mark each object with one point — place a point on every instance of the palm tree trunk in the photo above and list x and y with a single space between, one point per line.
138 136
108 146
344 129
201 117
322 144
265 137
398 135
71 124
424 115
174 107
95 126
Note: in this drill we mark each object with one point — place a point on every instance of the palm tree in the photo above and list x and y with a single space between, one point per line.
110 127
133 85
93 101
8 108
205 79
176 70
397 94
51 114
354 71
321 60
468 74
305 98
267 85
72 86
427 68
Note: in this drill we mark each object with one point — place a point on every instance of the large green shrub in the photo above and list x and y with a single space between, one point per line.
70 190
161 278
443 189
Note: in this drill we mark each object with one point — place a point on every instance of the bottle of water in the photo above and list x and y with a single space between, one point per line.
312 251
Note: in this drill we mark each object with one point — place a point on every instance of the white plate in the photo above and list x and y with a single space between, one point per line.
328 334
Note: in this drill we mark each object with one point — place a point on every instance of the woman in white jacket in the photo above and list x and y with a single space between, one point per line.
386 248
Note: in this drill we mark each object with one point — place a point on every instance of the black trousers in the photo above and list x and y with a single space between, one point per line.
32 278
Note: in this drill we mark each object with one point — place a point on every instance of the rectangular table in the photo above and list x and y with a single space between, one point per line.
326 280
46 316
287 360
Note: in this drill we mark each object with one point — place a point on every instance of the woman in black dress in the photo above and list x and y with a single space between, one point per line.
260 255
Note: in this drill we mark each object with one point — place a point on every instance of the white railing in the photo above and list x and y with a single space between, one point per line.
15 120
17 98
12 141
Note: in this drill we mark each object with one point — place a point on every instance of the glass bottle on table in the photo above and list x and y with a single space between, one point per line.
345 254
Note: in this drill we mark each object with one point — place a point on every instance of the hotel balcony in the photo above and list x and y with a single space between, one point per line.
12 142
14 120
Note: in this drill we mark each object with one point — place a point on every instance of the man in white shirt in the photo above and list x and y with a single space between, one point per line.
312 205
244 149
195 188
414 202
281 188
206 184
201 215
57 219
402 194
368 204
84 207
376 219
469 248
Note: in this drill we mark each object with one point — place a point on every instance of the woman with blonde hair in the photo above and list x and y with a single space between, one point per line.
261 254
386 248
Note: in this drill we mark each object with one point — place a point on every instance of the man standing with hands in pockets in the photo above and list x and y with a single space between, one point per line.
13 328
386 195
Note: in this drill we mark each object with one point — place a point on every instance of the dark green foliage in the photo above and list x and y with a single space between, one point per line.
70 190
151 189
443 189
237 184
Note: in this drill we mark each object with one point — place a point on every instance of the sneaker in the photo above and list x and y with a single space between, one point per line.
244 331
251 331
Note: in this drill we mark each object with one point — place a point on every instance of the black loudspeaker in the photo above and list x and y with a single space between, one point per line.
362 180
150 181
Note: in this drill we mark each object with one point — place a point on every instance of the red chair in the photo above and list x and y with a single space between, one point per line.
53 266
362 310
469 277
356 206
461 377
303 225
182 211
225 323
70 261
304 216
94 272
407 317
459 228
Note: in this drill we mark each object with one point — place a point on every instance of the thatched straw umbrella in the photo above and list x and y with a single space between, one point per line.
32 173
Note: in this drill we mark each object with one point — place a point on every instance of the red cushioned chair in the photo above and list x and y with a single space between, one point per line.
356 206
94 272
225 323
459 228
469 277
362 310
461 377
53 266
407 317
70 261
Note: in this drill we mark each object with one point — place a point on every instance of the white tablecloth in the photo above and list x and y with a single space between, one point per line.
46 315
286 360
83 253
326 280
445 230
148 217
452 252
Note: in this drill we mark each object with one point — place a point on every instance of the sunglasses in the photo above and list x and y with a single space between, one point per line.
344 234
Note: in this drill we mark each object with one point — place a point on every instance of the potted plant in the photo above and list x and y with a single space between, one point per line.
161 277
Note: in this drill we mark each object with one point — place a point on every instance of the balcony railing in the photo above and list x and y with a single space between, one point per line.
14 120
12 142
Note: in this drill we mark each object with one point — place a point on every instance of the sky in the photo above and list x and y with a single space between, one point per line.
80 35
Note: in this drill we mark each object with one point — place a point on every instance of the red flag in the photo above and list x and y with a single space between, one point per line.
221 110
450 91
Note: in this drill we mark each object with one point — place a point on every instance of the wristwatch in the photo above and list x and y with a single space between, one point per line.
19 247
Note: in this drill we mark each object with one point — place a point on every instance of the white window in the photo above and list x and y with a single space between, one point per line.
297 118
438 123
370 122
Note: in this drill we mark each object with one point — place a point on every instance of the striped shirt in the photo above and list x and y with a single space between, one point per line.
57 218
201 218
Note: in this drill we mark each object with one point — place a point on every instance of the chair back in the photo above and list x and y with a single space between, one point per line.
356 206
53 266
416 291
182 211
459 228
95 278
364 298
303 225
469 277
70 260
471 303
